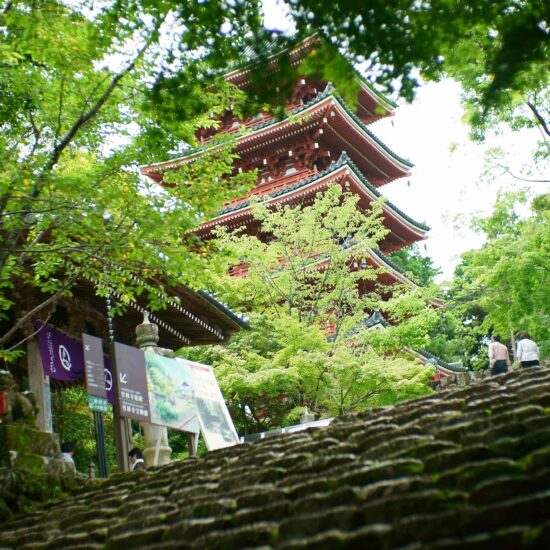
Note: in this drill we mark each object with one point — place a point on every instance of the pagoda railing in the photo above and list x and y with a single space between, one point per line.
238 124
275 185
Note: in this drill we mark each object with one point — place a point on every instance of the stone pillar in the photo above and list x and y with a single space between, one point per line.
40 386
157 450
307 417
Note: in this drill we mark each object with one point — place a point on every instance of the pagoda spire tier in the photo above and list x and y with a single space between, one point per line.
403 229
305 141
371 105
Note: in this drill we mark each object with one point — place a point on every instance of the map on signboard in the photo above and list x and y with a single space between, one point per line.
171 393
215 422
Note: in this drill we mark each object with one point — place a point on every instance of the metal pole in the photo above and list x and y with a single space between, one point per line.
100 444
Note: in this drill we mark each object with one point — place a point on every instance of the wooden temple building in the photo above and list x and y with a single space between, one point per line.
320 142
188 318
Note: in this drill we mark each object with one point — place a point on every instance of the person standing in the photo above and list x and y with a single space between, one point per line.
527 351
136 459
499 358
67 455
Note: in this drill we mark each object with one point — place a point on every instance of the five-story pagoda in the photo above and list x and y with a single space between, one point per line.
321 141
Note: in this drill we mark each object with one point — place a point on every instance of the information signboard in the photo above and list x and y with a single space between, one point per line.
171 394
176 393
133 397
94 370
215 422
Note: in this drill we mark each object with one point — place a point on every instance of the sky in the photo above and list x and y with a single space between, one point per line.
445 181
446 178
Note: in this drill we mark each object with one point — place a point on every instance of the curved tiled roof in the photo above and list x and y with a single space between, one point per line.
449 366
367 131
239 318
344 160
326 93
464 468
387 260
248 57
329 92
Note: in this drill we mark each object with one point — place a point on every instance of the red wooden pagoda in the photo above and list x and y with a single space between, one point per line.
320 142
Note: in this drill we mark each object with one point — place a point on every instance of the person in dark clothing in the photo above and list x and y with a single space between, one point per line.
136 459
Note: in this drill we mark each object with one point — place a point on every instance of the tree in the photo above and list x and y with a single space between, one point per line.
272 373
307 278
497 50
89 91
459 336
305 267
73 421
507 278
419 268
85 99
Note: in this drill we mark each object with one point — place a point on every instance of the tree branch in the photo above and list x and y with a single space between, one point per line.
36 309
507 170
539 117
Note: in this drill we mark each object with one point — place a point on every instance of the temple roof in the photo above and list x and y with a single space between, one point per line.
441 364
343 168
381 160
188 318
464 468
368 95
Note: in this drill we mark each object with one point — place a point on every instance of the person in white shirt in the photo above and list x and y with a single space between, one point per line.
527 351
67 455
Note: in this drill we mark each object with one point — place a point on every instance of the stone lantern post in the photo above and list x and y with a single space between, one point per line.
156 451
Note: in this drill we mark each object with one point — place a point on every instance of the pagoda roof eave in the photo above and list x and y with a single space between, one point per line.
325 98
341 168
387 104
241 72
328 98
381 261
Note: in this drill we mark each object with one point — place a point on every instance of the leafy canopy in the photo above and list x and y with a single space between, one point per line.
498 51
82 107
507 278
308 278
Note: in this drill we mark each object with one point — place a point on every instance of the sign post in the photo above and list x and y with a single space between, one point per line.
97 394
131 399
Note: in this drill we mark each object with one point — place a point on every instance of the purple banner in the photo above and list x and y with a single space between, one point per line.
62 357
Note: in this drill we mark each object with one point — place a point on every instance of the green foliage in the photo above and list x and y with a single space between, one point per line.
91 91
459 335
305 267
413 316
305 282
419 268
507 278
74 422
270 374
498 50
85 100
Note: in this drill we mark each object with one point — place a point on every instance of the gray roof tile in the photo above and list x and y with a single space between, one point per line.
467 467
